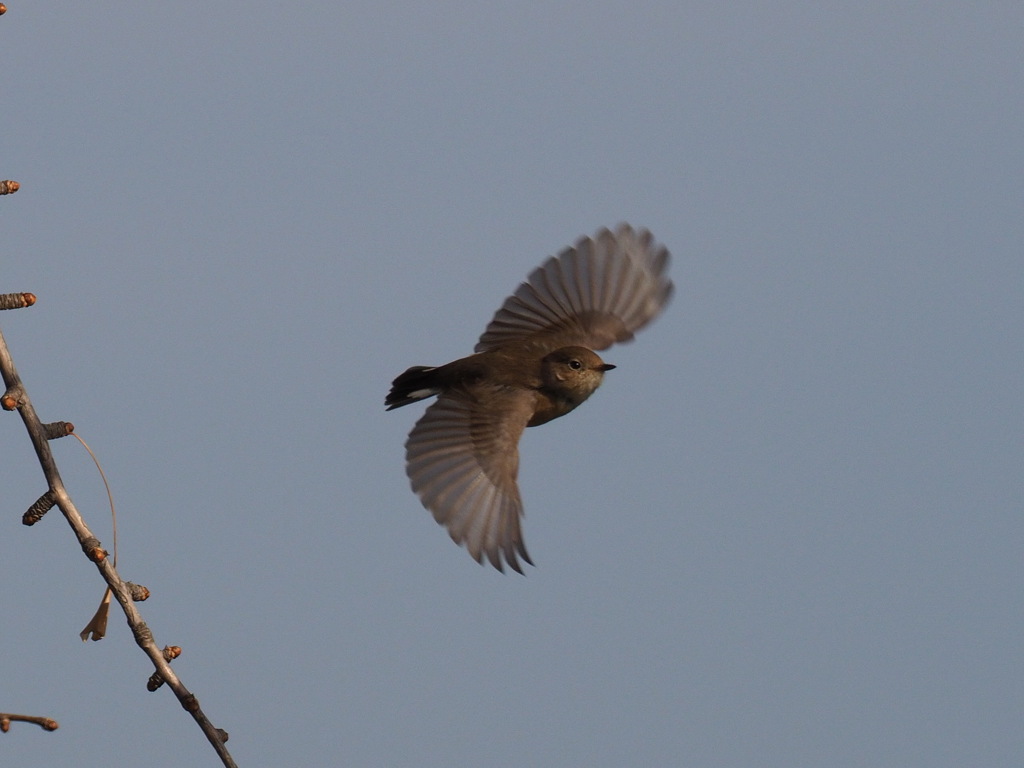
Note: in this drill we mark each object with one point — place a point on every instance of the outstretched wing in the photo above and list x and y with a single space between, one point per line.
462 458
594 294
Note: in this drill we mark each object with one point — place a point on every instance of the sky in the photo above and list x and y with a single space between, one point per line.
787 529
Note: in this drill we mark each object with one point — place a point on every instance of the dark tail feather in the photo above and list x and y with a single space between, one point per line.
415 384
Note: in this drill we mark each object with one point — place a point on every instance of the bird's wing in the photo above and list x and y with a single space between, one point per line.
462 458
600 291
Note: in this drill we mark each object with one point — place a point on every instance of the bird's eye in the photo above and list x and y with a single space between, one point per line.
575 364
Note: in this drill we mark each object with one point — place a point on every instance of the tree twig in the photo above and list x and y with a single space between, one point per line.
46 723
16 397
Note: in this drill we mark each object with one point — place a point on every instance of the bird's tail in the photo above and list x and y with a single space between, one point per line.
415 384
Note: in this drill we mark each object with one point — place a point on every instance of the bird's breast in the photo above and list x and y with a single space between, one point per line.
548 406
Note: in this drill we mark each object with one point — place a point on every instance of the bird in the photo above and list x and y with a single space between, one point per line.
536 361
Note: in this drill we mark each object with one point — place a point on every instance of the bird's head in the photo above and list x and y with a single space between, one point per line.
573 373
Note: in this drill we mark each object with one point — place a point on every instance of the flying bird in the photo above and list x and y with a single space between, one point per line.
533 363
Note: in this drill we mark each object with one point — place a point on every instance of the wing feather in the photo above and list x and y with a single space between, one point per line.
600 291
463 458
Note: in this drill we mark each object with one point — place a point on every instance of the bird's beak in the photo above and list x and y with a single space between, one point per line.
605 367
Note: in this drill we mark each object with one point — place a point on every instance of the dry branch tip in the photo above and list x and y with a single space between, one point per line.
155 681
139 593
46 723
16 300
55 430
39 507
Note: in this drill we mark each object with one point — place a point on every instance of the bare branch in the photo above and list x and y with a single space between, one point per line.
16 397
6 718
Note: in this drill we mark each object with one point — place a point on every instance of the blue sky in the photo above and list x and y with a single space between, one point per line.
787 530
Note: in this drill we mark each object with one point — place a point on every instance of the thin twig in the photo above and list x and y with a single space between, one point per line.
17 397
46 723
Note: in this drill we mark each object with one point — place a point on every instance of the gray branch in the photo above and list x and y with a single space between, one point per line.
16 397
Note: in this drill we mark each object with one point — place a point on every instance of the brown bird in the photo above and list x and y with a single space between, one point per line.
534 363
